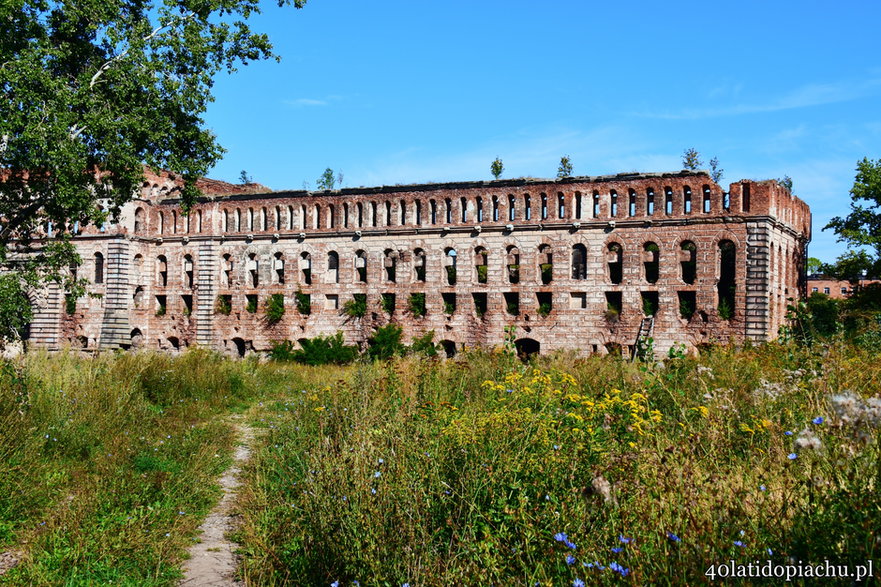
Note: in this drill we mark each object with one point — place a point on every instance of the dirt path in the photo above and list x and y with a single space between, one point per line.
212 561
9 560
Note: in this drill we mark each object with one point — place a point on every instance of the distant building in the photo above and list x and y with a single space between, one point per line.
833 287
585 263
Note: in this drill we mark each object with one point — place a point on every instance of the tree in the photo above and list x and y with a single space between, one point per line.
244 178
785 182
90 93
565 169
862 227
852 266
327 180
813 265
691 159
496 168
715 170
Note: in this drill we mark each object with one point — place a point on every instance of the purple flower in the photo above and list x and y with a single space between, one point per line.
818 420
788 433
570 560
624 540
335 584
577 583
617 549
739 543
561 537
770 552
762 488
570 544
673 537
792 456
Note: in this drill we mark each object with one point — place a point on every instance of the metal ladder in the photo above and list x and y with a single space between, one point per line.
644 332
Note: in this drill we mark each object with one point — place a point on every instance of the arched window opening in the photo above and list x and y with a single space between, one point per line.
650 201
512 208
727 279
688 262
162 223
333 266
686 200
250 220
448 211
668 200
278 268
390 263
479 209
596 205
578 215
189 274
277 218
99 268
544 206
480 264
253 270
546 264
651 261
198 221
225 221
360 211
432 212
613 212
403 213
306 267
331 216
450 265
316 217
361 266
615 262
631 206
290 223
419 264
263 219
226 271
579 262
463 205
139 220
388 213
418 206
161 271
513 263
345 215
238 226
707 203
527 207
374 214
495 205
561 206
138 297
303 221
174 221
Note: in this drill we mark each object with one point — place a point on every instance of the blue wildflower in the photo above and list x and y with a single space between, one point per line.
673 537
335 584
788 433
770 552
381 461
577 583
373 490
509 391
624 540
617 549
561 537
818 420
377 475
792 456
739 543
762 488
570 560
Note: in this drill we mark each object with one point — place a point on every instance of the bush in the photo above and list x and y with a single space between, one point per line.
275 308
70 304
223 305
321 350
388 303
544 309
424 345
304 303
251 304
386 343
417 304
482 273
357 306
547 272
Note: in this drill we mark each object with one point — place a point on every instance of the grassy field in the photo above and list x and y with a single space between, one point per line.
482 470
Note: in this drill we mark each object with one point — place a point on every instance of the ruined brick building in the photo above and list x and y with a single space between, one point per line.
585 263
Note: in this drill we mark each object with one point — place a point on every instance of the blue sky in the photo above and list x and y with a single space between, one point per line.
405 91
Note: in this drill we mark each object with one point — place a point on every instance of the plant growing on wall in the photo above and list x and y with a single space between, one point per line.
388 303
496 168
417 304
274 308
223 305
251 304
356 307
565 168
304 303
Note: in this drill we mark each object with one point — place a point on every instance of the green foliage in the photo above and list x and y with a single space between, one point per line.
70 304
514 273
356 307
650 306
813 265
386 343
496 168
94 91
304 302
862 226
544 309
785 182
686 309
451 274
321 350
244 178
388 303
691 159
547 272
275 308
424 345
565 168
251 304
416 304
715 171
449 307
482 272
328 180
223 305
15 307
726 312
852 265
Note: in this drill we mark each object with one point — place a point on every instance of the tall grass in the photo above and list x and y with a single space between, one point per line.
487 471
107 464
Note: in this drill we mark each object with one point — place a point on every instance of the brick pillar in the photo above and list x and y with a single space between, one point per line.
115 326
756 313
